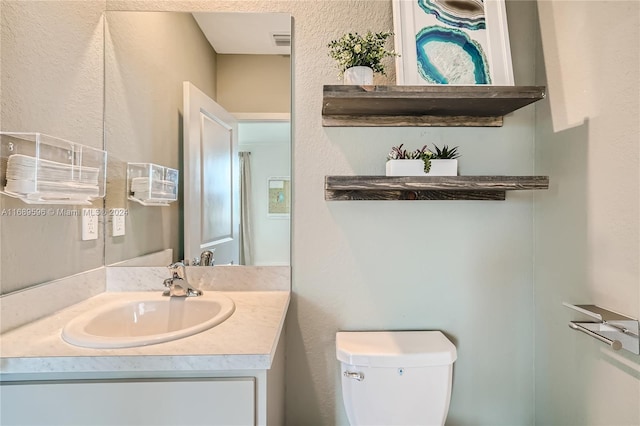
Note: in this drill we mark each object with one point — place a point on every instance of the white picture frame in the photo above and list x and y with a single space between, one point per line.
279 197
408 20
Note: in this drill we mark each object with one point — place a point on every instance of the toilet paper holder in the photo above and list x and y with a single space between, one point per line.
612 328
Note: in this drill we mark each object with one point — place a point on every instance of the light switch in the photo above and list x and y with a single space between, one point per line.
118 222
89 224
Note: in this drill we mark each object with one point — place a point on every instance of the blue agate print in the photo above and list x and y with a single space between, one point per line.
467 14
449 56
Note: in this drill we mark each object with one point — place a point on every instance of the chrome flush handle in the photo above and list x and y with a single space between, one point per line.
356 375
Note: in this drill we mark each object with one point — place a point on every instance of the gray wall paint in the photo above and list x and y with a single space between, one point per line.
461 267
147 57
52 83
254 83
587 234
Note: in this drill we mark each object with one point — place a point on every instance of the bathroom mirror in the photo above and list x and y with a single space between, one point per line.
51 78
148 56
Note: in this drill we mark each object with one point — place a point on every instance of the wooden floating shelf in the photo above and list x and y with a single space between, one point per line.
437 105
428 187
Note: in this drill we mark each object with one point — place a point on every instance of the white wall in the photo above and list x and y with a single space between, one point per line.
270 147
587 234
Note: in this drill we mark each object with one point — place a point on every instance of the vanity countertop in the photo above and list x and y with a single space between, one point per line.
245 341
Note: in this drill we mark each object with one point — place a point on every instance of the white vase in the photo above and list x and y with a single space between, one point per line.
358 76
405 168
443 168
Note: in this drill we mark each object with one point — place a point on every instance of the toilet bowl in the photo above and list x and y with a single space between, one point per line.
394 378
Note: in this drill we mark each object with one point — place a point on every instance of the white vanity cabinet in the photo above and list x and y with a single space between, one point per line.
153 398
185 402
143 397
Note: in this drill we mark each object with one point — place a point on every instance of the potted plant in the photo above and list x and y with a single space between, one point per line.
360 56
422 162
444 161
401 162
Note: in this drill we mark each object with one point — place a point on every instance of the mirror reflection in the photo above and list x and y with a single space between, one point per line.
192 92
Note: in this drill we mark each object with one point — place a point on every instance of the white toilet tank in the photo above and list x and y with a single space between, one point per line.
394 378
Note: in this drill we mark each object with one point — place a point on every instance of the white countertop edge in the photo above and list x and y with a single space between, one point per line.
31 364
111 364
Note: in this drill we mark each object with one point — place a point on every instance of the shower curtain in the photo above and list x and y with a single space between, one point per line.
246 236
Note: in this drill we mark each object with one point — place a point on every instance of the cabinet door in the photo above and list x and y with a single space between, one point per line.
132 402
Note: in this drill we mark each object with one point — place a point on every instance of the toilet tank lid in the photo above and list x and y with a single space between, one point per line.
394 348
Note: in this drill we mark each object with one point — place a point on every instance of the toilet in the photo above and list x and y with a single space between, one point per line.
393 378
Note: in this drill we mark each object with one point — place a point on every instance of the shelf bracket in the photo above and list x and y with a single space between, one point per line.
616 330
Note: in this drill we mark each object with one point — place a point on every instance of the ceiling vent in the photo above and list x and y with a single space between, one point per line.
282 39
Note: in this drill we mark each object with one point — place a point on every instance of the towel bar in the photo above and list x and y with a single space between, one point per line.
616 330
616 345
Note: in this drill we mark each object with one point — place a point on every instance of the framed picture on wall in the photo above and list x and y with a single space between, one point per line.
279 197
463 42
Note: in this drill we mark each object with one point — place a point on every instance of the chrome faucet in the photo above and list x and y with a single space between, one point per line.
207 259
178 284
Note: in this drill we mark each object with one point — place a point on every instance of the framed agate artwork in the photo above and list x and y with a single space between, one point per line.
456 42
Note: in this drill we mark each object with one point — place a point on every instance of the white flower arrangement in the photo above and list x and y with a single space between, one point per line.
355 50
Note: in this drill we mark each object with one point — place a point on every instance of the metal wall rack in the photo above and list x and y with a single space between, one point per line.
612 328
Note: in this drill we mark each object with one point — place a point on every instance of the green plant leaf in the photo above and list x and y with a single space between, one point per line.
445 153
353 49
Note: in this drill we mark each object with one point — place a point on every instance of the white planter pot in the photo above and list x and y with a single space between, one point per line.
358 76
443 168
405 168
416 168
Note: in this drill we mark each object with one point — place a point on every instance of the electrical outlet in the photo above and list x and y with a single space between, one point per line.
118 222
89 224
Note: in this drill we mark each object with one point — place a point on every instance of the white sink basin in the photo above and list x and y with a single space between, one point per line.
140 319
